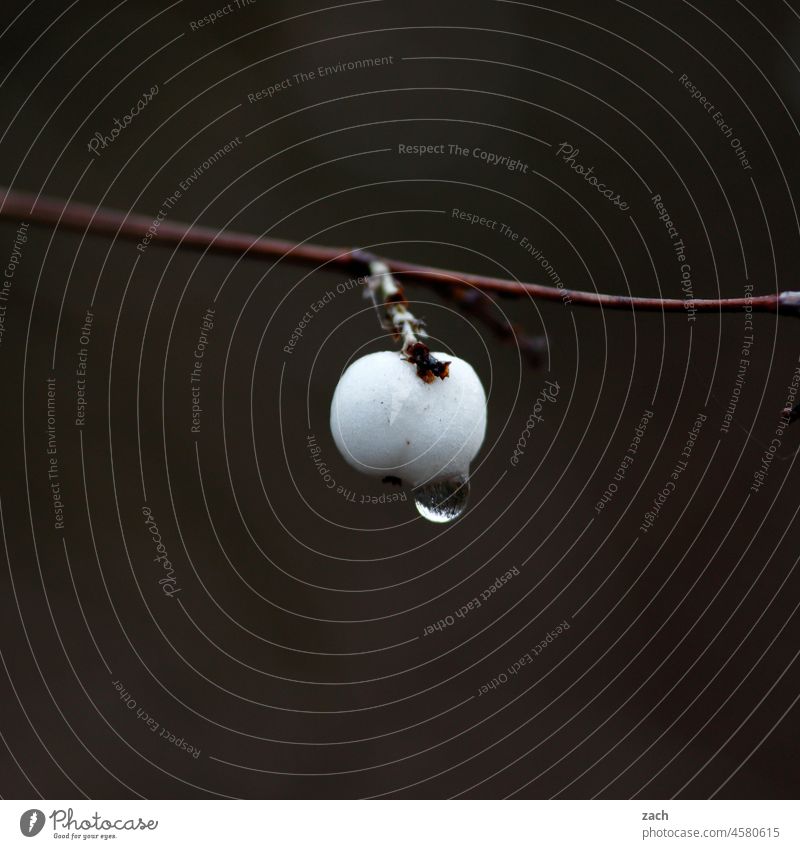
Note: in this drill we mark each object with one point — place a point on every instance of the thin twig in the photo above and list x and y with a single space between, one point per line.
112 222
388 295
479 305
390 299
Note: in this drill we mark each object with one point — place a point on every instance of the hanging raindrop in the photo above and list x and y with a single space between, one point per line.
442 500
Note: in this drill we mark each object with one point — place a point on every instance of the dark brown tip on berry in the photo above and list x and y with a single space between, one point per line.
428 367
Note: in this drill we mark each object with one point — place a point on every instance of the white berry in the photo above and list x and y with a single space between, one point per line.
389 422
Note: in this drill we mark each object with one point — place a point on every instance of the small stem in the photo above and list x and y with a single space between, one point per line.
112 222
388 294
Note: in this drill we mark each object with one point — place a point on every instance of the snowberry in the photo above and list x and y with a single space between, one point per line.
392 418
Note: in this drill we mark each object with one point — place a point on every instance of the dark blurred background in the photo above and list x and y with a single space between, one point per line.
293 651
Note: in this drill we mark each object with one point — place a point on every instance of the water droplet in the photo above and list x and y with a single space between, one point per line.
442 500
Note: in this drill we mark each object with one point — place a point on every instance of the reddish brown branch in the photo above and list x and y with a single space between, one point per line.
112 222
479 305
